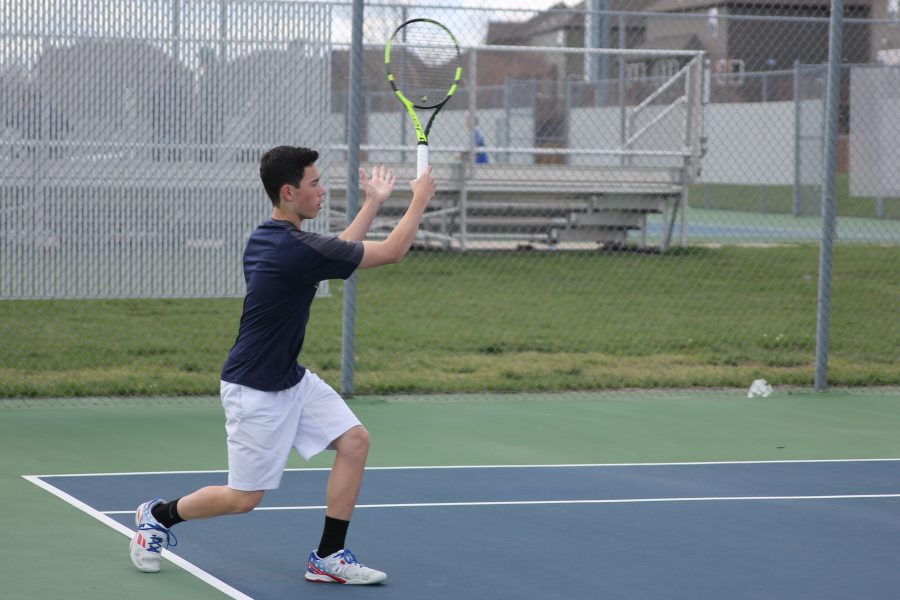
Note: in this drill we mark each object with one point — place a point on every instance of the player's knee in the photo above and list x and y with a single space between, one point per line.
247 501
355 442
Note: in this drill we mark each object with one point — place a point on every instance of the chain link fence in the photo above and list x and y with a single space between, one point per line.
641 208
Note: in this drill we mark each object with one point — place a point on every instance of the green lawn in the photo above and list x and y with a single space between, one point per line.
500 321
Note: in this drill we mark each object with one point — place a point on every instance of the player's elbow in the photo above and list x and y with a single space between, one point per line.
395 254
382 253
396 247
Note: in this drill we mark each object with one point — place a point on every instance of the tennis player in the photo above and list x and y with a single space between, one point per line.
272 403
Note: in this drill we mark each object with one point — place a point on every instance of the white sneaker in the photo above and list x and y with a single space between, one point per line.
149 539
341 567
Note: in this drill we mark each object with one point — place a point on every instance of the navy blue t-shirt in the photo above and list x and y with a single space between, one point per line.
282 267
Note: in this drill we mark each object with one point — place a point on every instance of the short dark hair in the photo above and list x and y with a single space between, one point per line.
284 164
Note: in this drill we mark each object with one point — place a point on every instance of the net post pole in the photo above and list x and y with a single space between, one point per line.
348 334
829 217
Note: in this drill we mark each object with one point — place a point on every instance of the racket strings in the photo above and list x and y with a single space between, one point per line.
424 62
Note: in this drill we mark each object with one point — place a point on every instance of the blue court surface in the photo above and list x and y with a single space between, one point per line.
792 530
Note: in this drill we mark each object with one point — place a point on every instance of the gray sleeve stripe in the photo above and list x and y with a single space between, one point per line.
330 246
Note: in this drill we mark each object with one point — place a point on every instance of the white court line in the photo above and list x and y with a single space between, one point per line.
167 554
554 502
545 466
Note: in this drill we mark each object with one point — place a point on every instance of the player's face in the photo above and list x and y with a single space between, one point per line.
311 194
307 199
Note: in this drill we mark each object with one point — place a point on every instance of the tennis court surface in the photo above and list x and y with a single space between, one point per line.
676 496
727 530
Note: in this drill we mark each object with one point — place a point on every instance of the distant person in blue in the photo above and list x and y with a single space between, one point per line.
472 124
273 404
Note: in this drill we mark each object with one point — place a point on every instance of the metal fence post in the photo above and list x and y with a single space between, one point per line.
404 118
348 337
467 167
223 30
623 90
795 197
597 36
176 30
828 192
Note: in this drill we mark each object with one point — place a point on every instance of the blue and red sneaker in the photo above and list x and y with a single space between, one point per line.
341 567
149 539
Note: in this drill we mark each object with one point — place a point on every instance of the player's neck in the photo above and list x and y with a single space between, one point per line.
280 215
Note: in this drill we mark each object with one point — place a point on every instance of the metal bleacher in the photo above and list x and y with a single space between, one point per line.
494 206
564 196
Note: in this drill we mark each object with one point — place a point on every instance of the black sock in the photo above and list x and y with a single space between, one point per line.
167 513
333 536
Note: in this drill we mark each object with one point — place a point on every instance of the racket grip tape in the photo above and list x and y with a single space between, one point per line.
421 159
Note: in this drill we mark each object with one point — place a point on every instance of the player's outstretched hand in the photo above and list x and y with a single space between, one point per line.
424 186
379 186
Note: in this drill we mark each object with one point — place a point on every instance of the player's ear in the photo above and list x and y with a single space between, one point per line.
284 193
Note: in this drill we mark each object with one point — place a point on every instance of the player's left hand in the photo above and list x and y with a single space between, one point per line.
379 186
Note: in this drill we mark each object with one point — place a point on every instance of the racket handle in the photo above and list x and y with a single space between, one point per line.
421 159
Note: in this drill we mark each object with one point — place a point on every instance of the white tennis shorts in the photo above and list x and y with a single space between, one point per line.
262 428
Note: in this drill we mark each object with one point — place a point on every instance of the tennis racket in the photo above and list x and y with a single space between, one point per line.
423 68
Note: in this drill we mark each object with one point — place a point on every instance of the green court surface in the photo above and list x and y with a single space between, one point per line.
708 226
52 550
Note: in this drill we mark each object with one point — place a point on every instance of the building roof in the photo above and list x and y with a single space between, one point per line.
553 19
703 5
557 17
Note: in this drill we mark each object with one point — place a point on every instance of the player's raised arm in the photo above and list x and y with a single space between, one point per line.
397 244
378 188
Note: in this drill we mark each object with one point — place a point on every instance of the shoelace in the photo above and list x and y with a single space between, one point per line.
348 558
155 543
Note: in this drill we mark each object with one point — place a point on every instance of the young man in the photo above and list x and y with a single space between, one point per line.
273 404
481 156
